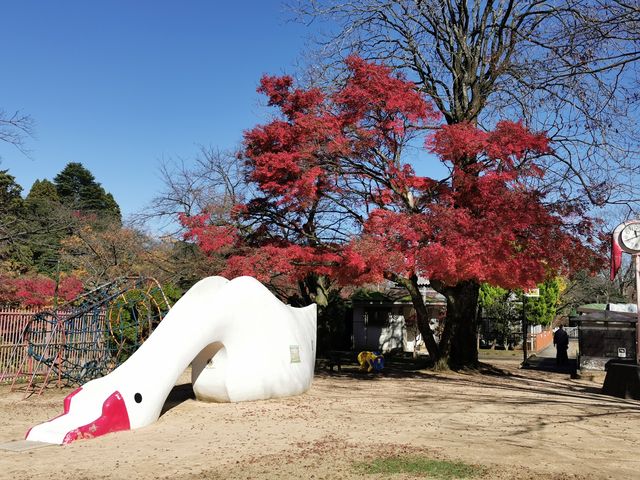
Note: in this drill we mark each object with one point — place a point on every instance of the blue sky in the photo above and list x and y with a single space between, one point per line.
120 85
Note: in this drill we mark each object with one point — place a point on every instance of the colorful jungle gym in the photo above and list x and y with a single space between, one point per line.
83 339
219 326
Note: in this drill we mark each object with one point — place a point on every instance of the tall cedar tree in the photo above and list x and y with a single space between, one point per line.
13 254
77 189
336 198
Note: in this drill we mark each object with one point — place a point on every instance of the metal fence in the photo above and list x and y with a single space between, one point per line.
572 332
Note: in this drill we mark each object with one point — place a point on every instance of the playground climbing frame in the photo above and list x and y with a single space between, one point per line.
81 340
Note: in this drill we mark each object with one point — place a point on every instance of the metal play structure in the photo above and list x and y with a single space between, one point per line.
84 339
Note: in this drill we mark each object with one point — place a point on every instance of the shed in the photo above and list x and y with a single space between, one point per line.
604 335
385 320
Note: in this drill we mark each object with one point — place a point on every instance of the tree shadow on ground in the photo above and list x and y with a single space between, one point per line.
555 385
345 364
549 365
179 394
553 381
395 366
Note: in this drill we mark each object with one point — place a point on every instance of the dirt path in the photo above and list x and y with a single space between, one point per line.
524 424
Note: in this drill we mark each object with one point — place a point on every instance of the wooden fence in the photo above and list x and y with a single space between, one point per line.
22 349
13 344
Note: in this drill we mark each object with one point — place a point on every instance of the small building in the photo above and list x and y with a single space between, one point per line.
604 334
384 320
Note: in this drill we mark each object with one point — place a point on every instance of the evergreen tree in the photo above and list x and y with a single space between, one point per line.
77 188
49 222
43 191
504 307
10 198
502 315
542 310
14 255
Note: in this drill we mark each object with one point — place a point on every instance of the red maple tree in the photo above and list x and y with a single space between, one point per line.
38 291
338 202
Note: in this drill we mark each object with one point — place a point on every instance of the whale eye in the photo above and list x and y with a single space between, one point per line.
137 397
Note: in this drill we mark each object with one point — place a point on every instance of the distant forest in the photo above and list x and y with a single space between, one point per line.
67 235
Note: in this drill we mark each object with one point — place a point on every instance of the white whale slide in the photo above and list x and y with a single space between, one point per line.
243 343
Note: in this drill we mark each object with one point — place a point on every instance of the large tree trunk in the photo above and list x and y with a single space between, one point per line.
313 289
458 345
422 316
316 289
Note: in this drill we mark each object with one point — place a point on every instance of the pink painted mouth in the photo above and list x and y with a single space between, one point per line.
67 400
113 419
66 407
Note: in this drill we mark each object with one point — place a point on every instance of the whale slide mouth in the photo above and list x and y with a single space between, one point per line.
64 429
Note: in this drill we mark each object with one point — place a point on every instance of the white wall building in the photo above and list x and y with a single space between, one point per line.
383 324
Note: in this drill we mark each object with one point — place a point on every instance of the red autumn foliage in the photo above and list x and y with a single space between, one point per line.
291 261
38 291
336 196
374 93
211 238
70 288
509 143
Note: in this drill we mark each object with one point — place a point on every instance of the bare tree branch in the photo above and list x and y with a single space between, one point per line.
15 128
213 182
566 67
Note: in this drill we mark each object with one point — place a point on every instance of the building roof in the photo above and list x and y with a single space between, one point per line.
589 307
606 316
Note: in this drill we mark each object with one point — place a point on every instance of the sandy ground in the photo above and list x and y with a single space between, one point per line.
514 423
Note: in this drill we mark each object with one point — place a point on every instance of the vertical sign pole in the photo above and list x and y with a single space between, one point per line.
531 293
636 259
524 330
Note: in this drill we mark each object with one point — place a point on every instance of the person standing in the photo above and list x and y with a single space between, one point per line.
561 341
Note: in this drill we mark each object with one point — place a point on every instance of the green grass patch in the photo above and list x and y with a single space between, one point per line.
429 468
488 353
